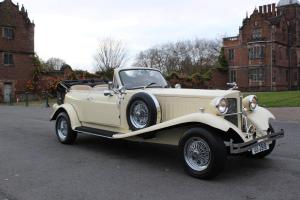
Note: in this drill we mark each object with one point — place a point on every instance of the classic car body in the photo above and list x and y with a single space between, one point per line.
153 112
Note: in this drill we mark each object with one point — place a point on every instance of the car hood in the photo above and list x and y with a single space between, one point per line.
172 92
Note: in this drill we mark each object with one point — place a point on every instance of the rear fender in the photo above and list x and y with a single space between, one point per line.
69 109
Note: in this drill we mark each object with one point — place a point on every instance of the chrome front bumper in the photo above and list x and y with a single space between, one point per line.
243 147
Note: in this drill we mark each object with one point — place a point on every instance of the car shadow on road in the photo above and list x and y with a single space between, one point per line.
166 157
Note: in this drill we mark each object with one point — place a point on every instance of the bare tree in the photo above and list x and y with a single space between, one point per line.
54 64
111 54
188 56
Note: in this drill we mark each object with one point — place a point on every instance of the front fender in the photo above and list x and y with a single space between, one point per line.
201 118
260 118
69 109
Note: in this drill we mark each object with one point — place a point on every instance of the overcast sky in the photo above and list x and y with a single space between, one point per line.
71 29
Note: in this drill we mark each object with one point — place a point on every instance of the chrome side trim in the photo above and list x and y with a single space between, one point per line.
158 108
88 133
95 132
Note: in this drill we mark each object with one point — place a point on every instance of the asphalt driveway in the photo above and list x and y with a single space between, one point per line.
286 114
33 165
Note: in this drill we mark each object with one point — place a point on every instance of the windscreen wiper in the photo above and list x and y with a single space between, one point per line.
150 84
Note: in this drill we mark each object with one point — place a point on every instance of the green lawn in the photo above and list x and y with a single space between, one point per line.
278 99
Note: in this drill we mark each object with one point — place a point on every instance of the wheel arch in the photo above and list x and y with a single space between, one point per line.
69 109
56 113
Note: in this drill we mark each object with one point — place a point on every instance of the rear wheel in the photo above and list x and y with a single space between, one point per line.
64 132
202 153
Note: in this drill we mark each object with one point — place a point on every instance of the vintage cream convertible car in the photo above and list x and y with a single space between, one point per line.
138 105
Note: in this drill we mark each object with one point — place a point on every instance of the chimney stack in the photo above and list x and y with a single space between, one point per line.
269 9
273 9
260 9
265 9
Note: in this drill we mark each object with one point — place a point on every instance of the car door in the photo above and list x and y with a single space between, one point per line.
81 102
103 110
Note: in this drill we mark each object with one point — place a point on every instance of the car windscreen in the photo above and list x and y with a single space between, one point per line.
139 78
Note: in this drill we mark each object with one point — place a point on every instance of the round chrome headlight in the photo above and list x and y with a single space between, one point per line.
253 102
222 105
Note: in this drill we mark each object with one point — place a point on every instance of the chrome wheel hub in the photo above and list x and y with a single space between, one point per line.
197 153
62 128
139 114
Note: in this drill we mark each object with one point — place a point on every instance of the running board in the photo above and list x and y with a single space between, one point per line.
95 132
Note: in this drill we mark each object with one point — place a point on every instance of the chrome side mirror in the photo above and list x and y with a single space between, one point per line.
178 86
108 93
110 85
122 90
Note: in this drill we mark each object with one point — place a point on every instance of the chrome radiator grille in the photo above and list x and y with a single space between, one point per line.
233 108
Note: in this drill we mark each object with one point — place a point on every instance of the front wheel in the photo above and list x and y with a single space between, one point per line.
203 154
64 132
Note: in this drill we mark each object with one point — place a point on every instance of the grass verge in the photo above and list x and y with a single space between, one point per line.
278 99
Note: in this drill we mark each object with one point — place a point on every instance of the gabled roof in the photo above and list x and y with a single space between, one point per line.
8 11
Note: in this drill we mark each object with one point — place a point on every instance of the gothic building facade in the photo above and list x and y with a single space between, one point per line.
16 50
265 56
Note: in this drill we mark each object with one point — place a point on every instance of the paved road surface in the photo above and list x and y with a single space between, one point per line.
33 165
287 114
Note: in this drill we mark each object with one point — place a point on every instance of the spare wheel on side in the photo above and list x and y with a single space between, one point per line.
143 111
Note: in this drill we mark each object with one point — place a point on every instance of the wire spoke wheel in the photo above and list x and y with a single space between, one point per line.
197 153
139 114
62 128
